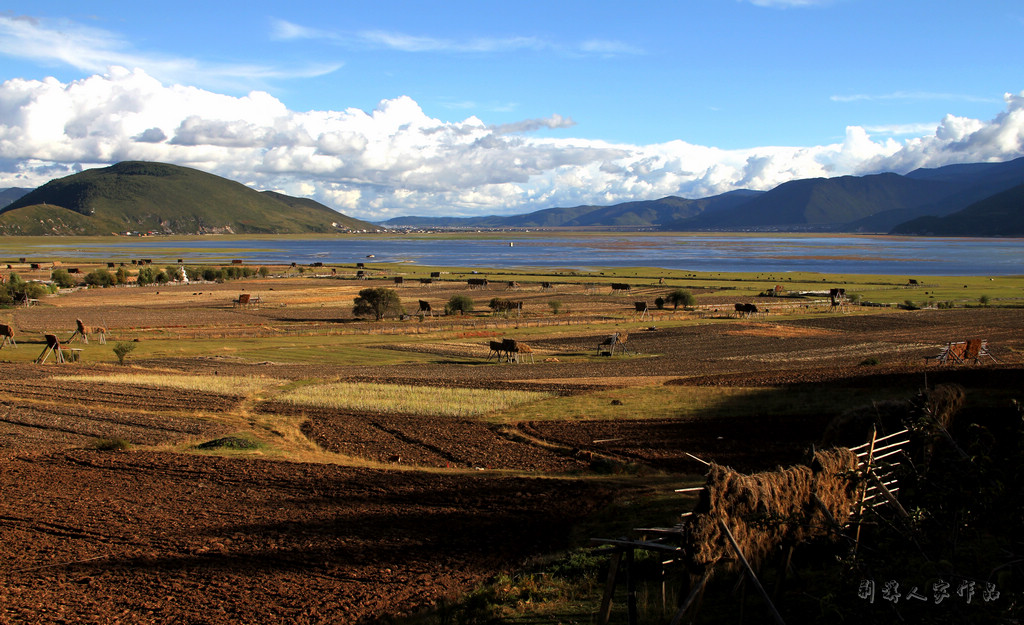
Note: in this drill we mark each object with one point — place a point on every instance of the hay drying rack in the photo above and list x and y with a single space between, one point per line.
877 486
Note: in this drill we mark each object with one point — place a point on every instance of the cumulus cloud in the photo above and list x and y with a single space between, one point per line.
397 160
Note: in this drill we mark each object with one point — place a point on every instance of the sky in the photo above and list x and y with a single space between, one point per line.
470 107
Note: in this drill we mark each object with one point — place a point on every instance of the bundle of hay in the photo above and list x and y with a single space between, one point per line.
765 510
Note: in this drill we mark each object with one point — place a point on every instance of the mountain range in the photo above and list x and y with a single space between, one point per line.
135 196
884 202
974 199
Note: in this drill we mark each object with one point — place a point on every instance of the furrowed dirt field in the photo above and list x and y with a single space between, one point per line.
345 515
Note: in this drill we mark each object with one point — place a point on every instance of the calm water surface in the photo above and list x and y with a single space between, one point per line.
828 254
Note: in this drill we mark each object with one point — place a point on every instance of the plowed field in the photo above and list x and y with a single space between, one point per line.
355 515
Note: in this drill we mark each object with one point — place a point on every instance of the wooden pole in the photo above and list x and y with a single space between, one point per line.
695 592
750 573
887 494
864 489
631 608
605 613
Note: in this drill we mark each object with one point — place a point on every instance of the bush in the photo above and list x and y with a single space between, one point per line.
458 303
110 444
121 350
983 300
870 361
62 278
659 303
681 297
379 302
99 277
555 306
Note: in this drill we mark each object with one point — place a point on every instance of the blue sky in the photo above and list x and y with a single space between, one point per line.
390 108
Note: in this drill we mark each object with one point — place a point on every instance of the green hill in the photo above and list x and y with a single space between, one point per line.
1001 215
141 197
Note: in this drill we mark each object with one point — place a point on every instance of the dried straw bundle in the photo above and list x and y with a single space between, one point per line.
766 510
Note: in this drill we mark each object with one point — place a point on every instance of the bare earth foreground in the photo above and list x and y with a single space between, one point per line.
389 513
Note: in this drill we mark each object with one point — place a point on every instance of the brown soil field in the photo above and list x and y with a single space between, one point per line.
367 515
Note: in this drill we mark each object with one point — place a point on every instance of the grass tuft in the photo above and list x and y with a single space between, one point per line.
110 444
230 442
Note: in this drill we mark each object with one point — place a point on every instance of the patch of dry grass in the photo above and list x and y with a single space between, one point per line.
221 385
404 399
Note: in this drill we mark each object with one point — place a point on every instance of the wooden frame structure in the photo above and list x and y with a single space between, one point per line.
245 300
838 300
511 350
868 472
60 353
84 331
609 344
962 352
640 310
7 334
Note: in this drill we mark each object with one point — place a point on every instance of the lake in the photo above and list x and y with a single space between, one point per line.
696 252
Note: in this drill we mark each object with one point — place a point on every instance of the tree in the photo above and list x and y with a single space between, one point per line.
121 350
459 303
99 277
680 297
379 302
62 278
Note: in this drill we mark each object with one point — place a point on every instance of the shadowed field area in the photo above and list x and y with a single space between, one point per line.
285 463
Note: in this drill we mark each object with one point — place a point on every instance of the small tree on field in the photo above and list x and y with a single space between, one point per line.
121 350
555 305
62 278
379 302
983 300
458 303
99 277
680 297
263 271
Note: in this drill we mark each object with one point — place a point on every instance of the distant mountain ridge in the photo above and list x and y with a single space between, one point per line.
999 215
872 203
142 197
11 194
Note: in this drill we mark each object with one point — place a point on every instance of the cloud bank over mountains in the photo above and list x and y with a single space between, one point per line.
396 160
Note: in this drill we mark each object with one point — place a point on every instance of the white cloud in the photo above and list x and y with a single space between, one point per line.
397 160
94 50
282 30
